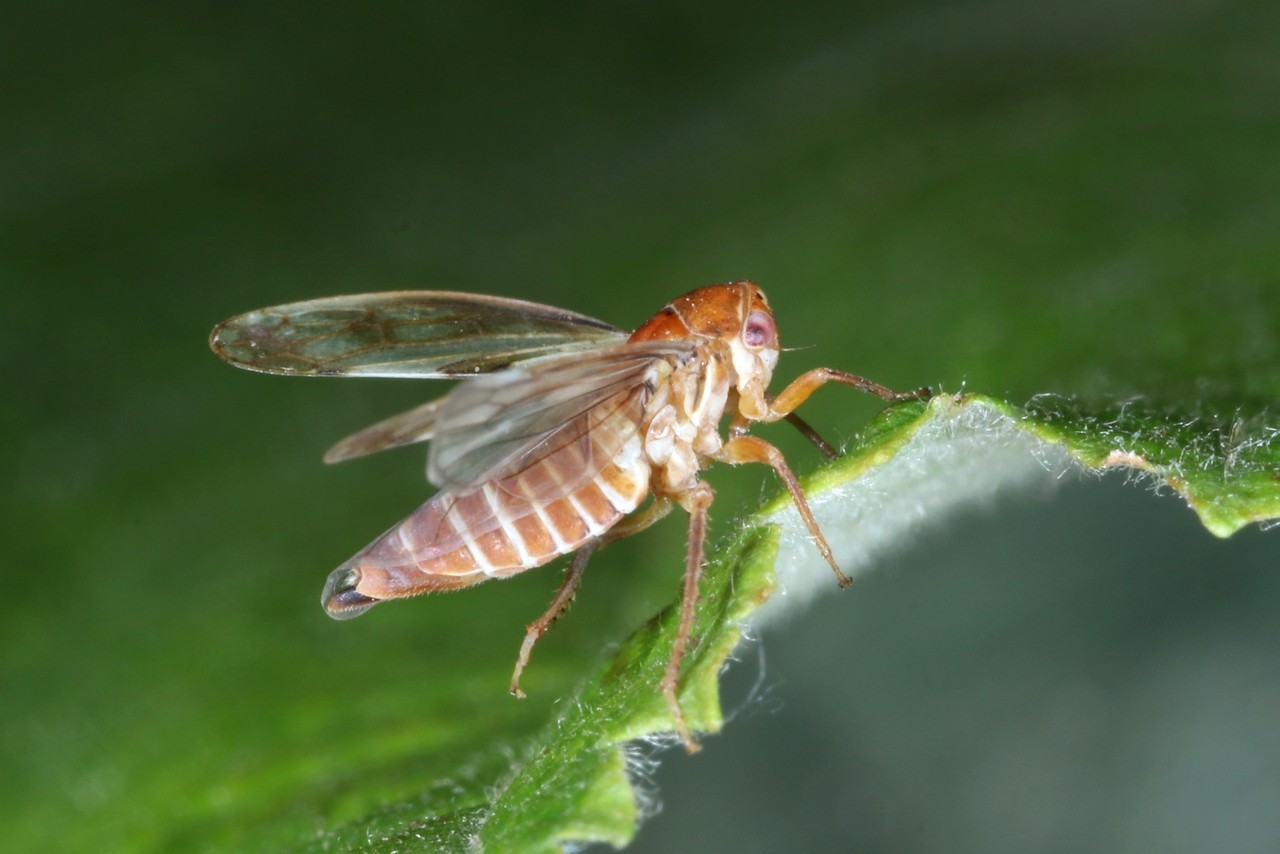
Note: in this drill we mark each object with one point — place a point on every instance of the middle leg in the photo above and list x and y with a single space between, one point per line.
751 449
697 501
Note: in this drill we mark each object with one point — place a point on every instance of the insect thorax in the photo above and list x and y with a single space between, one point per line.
682 418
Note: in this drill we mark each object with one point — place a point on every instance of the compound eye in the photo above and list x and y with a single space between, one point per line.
759 331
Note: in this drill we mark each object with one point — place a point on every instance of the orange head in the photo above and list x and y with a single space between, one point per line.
736 314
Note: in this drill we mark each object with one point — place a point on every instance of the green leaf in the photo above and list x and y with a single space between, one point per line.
572 780
1066 210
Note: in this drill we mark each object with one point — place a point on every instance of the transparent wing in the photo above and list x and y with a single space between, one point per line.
405 428
404 334
499 422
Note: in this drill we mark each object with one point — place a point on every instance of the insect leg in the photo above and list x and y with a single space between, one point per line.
810 381
633 524
751 449
559 605
697 501
812 435
637 522
741 425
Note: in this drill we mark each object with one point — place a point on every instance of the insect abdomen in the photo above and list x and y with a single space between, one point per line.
591 474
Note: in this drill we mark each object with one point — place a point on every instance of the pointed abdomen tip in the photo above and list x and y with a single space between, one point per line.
341 599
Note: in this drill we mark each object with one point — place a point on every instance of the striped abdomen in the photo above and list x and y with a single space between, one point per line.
572 488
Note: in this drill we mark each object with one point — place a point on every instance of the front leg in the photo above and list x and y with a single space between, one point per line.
810 381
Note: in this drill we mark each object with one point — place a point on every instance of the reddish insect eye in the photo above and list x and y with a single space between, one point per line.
759 330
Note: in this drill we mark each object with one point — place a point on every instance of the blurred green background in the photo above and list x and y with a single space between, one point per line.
1016 198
